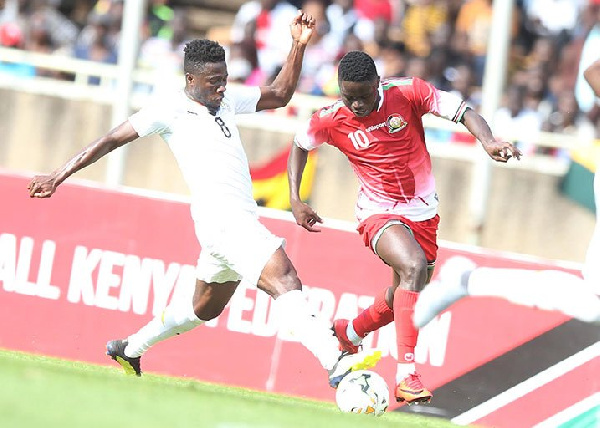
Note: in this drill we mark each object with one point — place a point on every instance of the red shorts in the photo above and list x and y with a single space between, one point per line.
425 232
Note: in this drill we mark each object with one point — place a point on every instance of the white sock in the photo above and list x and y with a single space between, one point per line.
314 334
175 319
352 335
545 289
434 298
403 370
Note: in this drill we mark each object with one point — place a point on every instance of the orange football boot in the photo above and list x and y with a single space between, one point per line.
410 390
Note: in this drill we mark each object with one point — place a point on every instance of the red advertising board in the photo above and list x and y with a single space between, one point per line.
90 265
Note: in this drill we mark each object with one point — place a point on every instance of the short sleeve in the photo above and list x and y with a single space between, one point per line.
440 103
244 98
311 134
149 120
451 106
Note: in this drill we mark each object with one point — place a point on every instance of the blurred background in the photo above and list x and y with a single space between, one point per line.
72 69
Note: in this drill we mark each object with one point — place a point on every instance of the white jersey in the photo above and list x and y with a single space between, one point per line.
208 150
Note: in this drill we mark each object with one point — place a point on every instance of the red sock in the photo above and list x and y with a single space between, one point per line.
375 316
406 333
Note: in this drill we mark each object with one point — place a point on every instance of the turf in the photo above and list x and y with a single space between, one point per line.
37 391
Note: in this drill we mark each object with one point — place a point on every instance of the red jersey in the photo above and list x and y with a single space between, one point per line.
387 148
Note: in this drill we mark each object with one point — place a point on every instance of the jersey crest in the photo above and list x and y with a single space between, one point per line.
395 123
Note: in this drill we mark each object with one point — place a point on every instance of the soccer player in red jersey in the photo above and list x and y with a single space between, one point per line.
378 125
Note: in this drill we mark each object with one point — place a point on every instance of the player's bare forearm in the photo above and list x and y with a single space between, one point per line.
295 168
497 149
280 92
117 137
305 216
592 76
477 126
43 186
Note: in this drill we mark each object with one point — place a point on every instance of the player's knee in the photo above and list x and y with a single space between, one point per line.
280 280
413 274
287 283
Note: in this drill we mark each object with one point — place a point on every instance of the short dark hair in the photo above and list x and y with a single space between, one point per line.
199 52
356 66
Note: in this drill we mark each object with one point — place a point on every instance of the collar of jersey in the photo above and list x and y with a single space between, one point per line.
194 106
380 90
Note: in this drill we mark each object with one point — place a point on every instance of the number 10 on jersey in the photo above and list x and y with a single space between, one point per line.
359 139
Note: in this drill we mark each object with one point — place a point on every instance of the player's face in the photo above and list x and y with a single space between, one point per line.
360 97
208 86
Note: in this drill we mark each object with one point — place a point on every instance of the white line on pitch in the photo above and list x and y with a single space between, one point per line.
571 412
528 385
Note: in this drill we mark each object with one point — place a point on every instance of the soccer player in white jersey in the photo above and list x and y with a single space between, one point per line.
199 126
378 126
547 289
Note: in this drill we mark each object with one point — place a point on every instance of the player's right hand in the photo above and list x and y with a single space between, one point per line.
42 186
305 216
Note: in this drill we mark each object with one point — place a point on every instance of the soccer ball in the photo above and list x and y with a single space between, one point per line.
363 391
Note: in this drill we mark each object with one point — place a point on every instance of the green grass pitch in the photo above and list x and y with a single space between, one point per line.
37 391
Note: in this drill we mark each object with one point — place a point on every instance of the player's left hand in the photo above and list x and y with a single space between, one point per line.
302 27
305 216
502 151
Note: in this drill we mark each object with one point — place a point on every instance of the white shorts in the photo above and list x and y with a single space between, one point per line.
236 249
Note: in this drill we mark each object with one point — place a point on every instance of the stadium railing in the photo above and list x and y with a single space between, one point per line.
301 106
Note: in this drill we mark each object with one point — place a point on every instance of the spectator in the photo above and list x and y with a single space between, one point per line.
63 32
461 82
555 18
98 48
159 17
473 26
264 25
565 117
241 63
322 49
423 21
328 73
374 9
165 55
514 118
418 67
11 36
344 20
392 60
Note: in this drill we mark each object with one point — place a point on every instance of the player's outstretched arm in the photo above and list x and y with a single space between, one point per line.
500 151
280 92
592 76
305 216
43 186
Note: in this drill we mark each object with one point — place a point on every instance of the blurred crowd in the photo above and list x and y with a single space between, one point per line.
442 41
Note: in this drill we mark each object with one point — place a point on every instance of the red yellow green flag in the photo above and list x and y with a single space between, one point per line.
270 183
